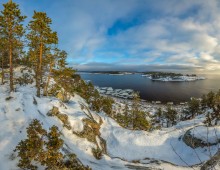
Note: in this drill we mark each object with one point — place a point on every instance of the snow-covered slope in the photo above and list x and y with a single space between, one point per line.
165 145
126 149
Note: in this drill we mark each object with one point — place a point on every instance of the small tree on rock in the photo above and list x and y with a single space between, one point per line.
193 108
170 116
213 116
138 117
31 149
44 148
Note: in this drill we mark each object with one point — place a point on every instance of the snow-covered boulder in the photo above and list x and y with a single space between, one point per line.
102 91
117 90
110 89
202 136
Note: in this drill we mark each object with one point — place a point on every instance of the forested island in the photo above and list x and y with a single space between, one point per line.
175 77
108 72
154 76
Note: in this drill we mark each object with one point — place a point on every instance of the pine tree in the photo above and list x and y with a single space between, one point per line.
31 149
56 61
170 116
3 55
61 59
193 108
11 32
158 117
204 102
126 115
54 159
139 120
44 148
64 78
210 97
213 117
40 37
217 108
135 107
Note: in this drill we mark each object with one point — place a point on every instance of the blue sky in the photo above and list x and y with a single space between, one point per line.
137 35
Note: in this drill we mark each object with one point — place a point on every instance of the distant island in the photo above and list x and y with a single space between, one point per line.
108 72
154 76
176 77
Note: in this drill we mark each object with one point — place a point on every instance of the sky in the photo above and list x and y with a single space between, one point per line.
135 35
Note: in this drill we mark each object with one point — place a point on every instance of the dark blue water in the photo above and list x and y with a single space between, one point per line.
156 90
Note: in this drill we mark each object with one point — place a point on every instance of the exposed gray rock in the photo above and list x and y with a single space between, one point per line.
210 164
194 142
138 167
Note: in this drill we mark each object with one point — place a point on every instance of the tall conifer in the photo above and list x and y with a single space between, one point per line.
40 37
11 32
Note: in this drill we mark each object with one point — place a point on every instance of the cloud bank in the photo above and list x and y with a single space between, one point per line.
133 34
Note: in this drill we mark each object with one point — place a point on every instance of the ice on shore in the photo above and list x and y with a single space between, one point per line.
125 94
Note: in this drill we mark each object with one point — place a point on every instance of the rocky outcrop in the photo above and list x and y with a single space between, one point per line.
63 117
63 96
91 131
192 141
210 164
190 138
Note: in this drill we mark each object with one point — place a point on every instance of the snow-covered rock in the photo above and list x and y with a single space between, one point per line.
202 136
121 93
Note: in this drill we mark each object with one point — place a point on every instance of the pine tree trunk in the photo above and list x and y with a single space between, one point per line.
10 58
37 78
3 71
48 80
40 65
39 70
11 67
37 82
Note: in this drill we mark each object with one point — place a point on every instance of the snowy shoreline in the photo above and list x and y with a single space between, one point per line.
127 94
121 93
151 107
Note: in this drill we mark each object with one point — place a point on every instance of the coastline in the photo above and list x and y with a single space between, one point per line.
177 92
178 78
127 94
147 106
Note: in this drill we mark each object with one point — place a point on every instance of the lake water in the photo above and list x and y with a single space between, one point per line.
156 90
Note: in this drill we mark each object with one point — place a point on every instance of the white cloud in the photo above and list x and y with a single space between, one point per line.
168 32
208 58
